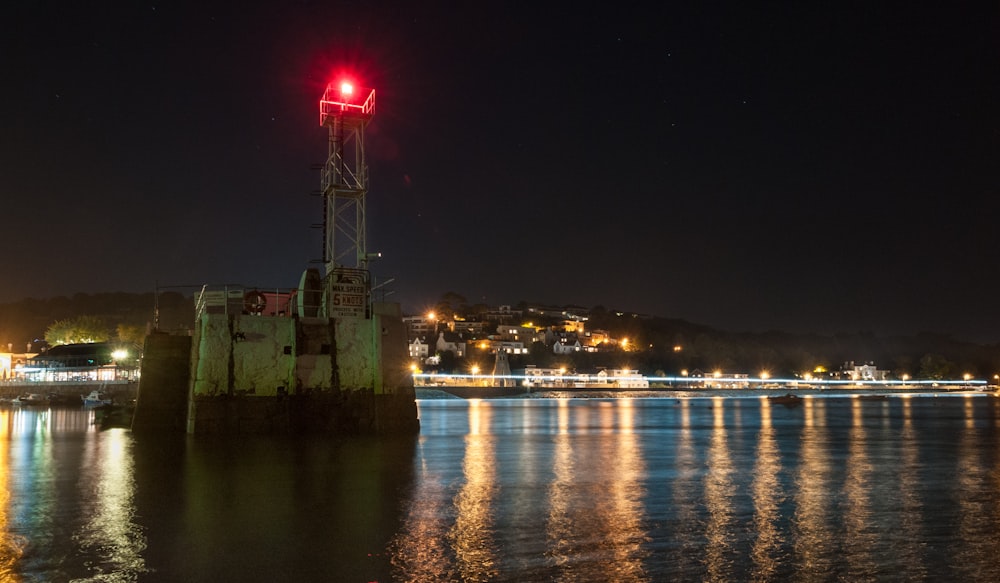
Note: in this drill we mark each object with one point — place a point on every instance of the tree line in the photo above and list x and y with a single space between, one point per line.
30 323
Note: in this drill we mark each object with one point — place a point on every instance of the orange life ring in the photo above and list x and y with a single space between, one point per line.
254 302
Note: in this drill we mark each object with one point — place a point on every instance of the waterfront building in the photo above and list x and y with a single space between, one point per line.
719 380
11 362
555 378
97 361
862 372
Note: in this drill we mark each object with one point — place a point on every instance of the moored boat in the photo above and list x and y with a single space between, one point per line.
788 400
96 399
31 400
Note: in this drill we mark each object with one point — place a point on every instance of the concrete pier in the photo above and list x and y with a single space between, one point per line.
162 402
241 373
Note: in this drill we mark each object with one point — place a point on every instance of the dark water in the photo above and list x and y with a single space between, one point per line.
719 489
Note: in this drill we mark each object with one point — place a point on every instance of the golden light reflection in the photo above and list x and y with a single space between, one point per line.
814 548
911 506
531 469
860 535
603 464
562 417
108 489
420 551
686 494
606 417
11 546
559 527
978 519
719 552
767 492
623 522
471 536
970 412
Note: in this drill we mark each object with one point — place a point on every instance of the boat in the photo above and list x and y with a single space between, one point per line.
96 399
788 400
31 400
873 397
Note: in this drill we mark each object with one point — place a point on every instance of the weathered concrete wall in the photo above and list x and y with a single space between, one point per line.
314 355
162 401
253 355
356 353
259 374
393 354
212 361
395 399
263 354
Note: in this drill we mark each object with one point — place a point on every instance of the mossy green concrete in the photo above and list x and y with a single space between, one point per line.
264 374
245 355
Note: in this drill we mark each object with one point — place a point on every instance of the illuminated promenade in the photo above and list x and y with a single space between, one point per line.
680 383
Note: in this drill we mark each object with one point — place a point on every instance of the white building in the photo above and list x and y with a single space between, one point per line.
419 349
450 344
566 347
862 372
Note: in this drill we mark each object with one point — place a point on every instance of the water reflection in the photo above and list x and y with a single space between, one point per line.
11 545
527 490
59 520
559 526
860 529
978 520
109 533
767 492
623 520
814 545
719 487
686 530
472 536
910 561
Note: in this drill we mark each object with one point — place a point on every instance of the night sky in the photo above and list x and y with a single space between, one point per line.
808 167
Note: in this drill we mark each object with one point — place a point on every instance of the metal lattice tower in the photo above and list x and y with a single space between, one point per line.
345 110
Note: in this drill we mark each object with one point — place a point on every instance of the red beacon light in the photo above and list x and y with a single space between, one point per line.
346 100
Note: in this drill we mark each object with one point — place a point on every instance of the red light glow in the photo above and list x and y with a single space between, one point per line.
341 98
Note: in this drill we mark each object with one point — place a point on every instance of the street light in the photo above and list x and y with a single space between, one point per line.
118 356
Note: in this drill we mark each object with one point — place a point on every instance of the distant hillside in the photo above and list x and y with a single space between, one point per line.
26 320
662 344
672 345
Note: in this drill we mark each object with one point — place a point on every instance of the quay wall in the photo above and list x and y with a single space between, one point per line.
120 391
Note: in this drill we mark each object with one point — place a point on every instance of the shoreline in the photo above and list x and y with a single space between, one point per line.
429 393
